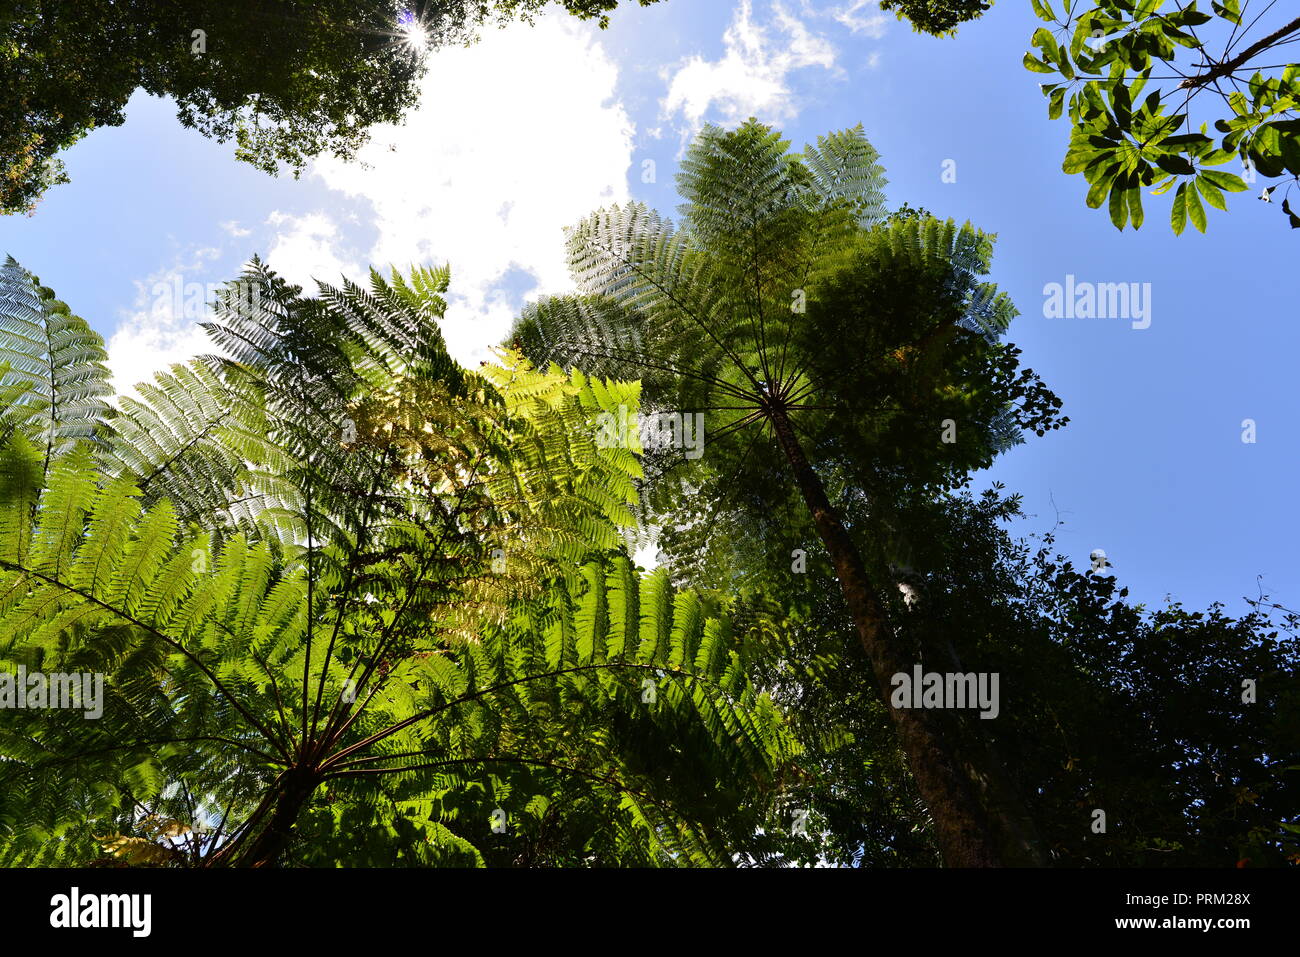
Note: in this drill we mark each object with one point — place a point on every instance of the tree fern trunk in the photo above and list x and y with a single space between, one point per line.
950 786
266 849
984 766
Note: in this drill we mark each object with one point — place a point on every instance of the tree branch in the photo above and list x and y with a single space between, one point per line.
1231 66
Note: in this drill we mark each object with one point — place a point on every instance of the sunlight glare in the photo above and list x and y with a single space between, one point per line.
413 33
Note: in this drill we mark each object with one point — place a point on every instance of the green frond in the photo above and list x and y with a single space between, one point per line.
844 170
186 438
53 381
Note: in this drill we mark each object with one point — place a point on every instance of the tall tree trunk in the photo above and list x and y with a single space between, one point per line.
963 800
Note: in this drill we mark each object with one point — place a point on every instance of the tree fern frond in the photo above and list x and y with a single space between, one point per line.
56 359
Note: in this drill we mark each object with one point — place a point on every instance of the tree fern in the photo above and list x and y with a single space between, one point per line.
424 600
844 362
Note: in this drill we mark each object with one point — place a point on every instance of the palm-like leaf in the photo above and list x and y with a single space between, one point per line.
55 358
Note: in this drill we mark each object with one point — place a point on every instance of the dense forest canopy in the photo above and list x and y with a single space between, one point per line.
325 596
287 80
353 603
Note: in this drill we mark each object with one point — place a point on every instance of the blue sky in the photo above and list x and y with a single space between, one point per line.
532 128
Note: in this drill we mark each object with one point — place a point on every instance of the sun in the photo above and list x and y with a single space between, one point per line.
413 32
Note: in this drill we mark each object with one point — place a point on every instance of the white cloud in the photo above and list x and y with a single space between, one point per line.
162 326
752 77
862 16
308 248
514 138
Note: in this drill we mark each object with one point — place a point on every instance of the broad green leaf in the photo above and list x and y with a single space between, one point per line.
1290 150
1213 195
1195 211
1076 161
1178 211
1119 205
1038 66
1055 102
1177 165
1165 186
1102 186
1227 181
1134 195
1229 10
